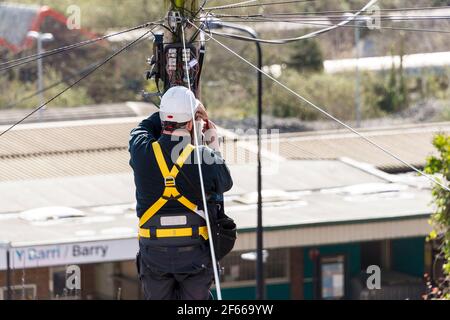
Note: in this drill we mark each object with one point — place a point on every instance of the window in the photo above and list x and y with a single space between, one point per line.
21 292
238 269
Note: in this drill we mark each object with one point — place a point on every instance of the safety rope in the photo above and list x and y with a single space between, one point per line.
202 186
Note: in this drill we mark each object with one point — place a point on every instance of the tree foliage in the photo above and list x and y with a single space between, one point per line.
122 79
440 166
394 94
307 56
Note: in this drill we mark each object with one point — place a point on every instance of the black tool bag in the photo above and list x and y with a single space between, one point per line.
223 230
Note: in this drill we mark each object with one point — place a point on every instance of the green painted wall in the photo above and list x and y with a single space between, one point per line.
408 256
274 292
308 290
282 291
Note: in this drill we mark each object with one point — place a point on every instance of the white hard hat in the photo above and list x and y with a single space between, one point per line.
176 105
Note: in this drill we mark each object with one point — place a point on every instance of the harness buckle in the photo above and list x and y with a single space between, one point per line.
169 181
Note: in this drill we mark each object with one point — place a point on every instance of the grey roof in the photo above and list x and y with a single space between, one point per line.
99 111
412 143
16 21
319 208
110 189
77 192
84 164
312 209
297 175
90 147
108 201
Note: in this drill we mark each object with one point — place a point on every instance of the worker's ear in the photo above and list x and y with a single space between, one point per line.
189 126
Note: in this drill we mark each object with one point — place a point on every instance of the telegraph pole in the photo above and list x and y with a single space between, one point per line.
177 61
178 11
186 9
171 42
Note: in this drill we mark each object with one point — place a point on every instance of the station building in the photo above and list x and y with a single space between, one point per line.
333 206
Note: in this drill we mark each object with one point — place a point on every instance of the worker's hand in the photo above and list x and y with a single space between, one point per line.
201 113
211 136
209 125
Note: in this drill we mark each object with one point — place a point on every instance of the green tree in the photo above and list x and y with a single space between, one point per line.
331 92
388 93
440 166
394 94
307 56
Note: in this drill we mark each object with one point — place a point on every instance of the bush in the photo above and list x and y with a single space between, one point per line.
334 93
440 220
109 13
14 91
393 95
307 56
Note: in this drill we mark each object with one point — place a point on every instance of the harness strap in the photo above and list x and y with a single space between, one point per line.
170 191
176 232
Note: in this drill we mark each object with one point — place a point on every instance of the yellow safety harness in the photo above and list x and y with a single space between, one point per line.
171 193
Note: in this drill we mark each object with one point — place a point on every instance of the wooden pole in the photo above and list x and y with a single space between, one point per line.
187 9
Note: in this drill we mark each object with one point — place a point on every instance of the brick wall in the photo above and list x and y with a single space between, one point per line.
37 276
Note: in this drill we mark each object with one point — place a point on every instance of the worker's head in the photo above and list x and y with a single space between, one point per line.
176 108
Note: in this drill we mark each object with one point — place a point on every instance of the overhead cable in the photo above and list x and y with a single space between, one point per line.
303 22
49 87
219 15
245 5
99 65
327 114
341 17
24 60
309 35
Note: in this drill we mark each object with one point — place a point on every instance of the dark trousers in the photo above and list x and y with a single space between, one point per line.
171 274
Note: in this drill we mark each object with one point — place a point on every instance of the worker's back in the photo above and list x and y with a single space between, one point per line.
150 185
175 258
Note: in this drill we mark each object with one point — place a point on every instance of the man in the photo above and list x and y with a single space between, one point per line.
174 261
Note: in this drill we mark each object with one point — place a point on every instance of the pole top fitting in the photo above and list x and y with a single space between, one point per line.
174 18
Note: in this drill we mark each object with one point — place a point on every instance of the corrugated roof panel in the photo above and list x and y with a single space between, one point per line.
67 114
66 138
62 165
41 148
50 181
412 146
